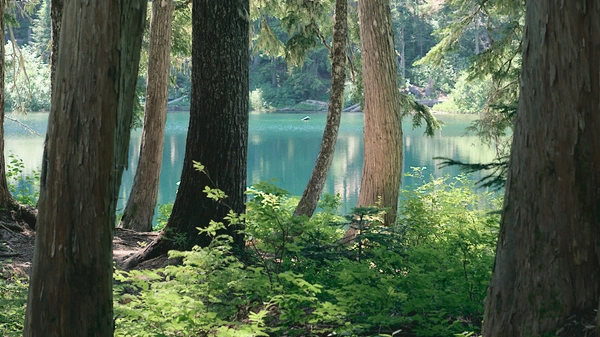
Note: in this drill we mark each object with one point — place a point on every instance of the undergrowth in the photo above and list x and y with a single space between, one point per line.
424 276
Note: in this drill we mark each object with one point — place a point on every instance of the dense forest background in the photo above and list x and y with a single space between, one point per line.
279 78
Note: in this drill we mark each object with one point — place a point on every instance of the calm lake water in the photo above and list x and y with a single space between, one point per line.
281 147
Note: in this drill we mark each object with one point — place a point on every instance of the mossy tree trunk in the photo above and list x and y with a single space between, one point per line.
314 188
218 129
139 211
70 292
547 260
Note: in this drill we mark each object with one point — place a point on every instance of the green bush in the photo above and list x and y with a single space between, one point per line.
25 188
424 276
467 96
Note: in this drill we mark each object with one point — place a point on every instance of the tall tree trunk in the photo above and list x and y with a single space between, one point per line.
139 210
547 264
382 163
5 196
310 197
218 131
70 292
133 20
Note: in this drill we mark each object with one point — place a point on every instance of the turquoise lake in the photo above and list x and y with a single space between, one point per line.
281 147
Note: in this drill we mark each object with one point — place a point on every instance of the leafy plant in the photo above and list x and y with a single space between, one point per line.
164 212
25 188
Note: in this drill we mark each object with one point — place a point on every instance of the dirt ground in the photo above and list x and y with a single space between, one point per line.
17 244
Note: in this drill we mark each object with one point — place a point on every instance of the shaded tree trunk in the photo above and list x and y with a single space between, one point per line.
139 211
133 20
218 131
547 264
382 163
310 197
70 292
56 8
5 196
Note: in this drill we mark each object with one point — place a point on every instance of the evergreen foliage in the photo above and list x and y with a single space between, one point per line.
41 31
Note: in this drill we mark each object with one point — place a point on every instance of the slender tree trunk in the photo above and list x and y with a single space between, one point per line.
5 196
218 131
310 197
70 292
382 163
139 210
547 260
133 20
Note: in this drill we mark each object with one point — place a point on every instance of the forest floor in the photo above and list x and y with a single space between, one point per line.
17 246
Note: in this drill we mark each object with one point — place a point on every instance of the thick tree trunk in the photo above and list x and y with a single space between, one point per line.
382 163
310 197
133 20
70 292
547 264
139 210
218 131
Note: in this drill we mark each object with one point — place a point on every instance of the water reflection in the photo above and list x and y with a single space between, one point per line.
283 147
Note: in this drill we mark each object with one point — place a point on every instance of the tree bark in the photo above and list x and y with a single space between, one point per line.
70 292
139 211
5 196
218 131
56 8
382 162
547 264
133 20
310 197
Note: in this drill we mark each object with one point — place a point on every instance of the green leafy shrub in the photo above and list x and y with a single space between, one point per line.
425 276
164 212
468 96
25 188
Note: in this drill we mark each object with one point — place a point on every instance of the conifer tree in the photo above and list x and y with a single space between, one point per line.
312 192
218 129
547 265
139 211
41 32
